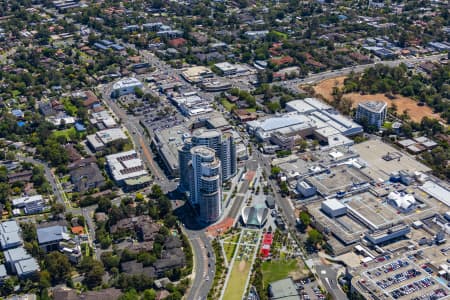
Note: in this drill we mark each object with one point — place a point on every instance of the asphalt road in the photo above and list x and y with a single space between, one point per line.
204 264
48 175
199 241
282 202
140 140
314 78
328 276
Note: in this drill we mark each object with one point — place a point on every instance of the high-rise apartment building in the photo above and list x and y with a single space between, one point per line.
222 144
374 112
184 159
206 183
224 149
227 156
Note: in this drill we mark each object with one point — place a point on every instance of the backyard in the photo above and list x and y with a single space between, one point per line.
70 134
228 105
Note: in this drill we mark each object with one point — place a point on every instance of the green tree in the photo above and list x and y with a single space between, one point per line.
110 260
314 237
3 174
59 267
130 295
304 218
149 294
44 279
94 275
275 171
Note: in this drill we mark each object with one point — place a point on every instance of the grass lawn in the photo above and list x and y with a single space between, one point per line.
236 283
276 270
280 34
228 105
387 125
69 107
229 250
65 179
251 110
66 132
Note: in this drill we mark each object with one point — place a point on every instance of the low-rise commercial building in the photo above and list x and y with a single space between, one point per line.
215 85
305 189
128 170
333 208
306 117
192 104
126 86
196 74
102 138
26 268
102 120
387 235
19 262
225 68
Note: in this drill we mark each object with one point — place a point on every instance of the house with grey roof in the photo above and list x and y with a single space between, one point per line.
49 237
10 235
87 177
3 274
12 256
27 267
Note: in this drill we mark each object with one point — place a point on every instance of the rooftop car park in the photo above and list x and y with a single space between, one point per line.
417 286
391 267
408 277
398 278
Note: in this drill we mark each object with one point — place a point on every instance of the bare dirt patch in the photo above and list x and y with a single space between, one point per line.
325 88
242 266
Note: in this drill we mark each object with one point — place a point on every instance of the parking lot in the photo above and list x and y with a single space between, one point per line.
404 278
420 288
309 290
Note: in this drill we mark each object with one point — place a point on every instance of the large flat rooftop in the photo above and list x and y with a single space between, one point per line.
340 178
345 228
372 208
372 152
169 140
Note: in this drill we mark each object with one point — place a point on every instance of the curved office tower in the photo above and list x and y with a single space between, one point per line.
206 183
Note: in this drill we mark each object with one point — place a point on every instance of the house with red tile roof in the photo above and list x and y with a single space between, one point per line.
178 42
